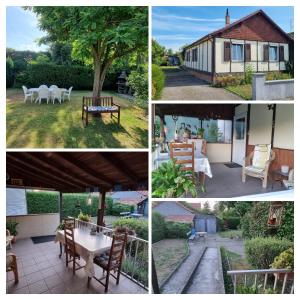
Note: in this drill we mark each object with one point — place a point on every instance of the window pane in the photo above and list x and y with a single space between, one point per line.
237 52
240 129
273 53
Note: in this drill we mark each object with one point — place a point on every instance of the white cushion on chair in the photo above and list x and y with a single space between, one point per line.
261 156
254 169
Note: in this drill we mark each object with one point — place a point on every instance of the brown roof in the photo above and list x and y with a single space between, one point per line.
236 23
180 218
78 171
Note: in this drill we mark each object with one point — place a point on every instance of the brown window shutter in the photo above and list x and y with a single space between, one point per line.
266 52
227 51
281 53
247 52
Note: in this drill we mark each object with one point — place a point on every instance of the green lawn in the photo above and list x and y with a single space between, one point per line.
167 255
231 233
30 125
245 91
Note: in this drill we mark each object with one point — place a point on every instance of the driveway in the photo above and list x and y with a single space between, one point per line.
181 85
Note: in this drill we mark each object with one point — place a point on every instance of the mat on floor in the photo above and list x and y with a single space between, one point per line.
232 165
42 239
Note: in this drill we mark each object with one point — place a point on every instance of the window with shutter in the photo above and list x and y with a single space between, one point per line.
281 53
227 51
247 52
266 53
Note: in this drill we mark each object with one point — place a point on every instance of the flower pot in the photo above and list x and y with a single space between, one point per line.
280 276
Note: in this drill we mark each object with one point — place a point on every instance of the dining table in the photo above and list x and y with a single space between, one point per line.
87 245
36 91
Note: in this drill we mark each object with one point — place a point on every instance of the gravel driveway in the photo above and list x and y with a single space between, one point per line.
181 85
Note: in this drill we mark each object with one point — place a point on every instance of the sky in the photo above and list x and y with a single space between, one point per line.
22 30
174 26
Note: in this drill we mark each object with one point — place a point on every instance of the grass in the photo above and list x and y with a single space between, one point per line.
231 234
244 91
167 255
30 125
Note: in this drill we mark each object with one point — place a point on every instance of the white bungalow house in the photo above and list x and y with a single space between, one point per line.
255 40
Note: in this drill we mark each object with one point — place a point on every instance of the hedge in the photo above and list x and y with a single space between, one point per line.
158 81
80 77
231 222
176 230
158 227
260 252
140 226
42 203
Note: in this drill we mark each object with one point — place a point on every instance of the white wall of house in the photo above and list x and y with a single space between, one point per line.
35 225
218 152
257 49
204 57
284 127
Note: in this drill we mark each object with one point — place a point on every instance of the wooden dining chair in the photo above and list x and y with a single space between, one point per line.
184 155
111 262
71 254
69 222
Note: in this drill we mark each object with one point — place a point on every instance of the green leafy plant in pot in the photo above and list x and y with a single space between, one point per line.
12 227
200 133
169 181
83 217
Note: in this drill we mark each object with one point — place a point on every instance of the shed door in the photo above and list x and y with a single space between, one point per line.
211 225
200 225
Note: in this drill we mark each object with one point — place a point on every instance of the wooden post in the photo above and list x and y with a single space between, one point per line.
101 208
162 131
60 206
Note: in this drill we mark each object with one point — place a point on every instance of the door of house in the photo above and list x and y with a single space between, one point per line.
208 225
239 138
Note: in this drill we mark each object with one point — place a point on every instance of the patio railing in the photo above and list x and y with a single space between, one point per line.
135 265
275 274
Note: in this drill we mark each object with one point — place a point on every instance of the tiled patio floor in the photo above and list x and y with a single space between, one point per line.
42 271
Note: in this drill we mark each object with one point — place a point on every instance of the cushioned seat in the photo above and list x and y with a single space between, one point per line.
101 108
254 169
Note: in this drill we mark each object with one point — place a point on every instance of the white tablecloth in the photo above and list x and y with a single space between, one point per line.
87 246
35 90
201 162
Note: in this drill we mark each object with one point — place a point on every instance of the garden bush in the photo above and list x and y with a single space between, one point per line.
286 229
226 80
158 227
231 222
158 81
176 230
42 202
80 77
260 252
276 75
9 72
140 226
118 208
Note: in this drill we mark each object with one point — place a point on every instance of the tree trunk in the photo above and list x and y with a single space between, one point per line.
97 75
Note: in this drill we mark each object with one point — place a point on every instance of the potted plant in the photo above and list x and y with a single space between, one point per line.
12 227
83 217
200 133
285 260
169 181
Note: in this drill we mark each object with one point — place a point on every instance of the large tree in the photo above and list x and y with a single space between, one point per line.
101 34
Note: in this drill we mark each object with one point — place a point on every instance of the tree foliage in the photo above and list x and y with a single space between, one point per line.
100 33
158 52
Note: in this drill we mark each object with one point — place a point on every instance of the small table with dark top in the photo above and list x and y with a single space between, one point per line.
278 175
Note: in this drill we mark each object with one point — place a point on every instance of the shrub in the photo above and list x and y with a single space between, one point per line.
226 80
176 230
158 227
231 222
80 77
228 285
42 202
286 229
158 81
9 72
261 252
248 74
140 226
12 227
118 208
276 75
285 260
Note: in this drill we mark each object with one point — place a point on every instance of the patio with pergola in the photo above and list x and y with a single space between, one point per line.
40 268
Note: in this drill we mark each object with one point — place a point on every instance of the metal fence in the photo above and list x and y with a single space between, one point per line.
135 264
265 274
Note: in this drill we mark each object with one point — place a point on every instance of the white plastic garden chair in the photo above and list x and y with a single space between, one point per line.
43 93
56 94
68 93
27 94
43 86
53 87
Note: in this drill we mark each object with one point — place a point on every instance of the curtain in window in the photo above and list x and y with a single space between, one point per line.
273 53
237 52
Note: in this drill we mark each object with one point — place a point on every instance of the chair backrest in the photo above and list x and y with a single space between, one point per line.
101 101
43 86
43 92
69 238
56 93
24 89
262 154
184 155
70 90
53 86
117 250
69 222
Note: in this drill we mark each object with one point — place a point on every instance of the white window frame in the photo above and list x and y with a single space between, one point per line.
243 52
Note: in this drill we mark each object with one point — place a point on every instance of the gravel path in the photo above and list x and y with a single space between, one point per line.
181 85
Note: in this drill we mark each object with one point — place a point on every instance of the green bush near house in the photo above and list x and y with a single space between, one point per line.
140 226
158 227
118 208
42 202
158 81
261 252
177 230
231 222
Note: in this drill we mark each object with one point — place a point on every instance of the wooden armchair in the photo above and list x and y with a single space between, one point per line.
111 262
71 254
12 266
257 163
104 105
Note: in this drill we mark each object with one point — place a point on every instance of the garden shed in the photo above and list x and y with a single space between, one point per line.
206 223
